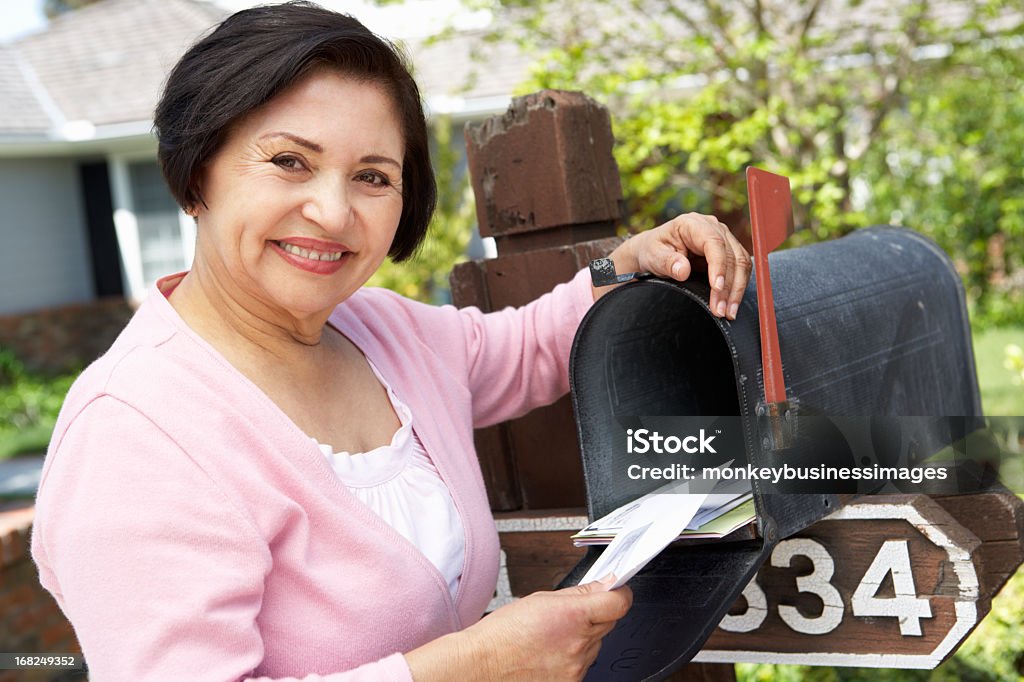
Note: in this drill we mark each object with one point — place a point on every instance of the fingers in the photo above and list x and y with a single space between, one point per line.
663 253
597 610
604 605
728 263
742 265
601 585
725 299
719 256
675 262
548 635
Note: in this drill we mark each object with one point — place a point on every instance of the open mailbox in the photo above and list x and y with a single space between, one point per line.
872 325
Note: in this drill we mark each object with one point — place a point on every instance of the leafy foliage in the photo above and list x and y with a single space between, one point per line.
424 276
951 166
1015 362
878 111
28 404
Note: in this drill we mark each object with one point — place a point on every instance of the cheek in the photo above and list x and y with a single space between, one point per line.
388 219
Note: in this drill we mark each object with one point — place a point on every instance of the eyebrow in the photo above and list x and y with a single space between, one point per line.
301 141
313 146
375 158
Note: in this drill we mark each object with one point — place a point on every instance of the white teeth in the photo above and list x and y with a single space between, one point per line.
309 253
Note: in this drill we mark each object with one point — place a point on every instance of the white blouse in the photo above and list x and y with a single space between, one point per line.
400 483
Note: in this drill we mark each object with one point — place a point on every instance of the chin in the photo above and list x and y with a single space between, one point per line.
303 302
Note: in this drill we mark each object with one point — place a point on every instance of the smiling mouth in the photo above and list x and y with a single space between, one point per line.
310 254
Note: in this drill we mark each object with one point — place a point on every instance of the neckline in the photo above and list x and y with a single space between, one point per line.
383 463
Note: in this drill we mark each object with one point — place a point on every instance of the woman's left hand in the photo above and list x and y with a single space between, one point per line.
672 250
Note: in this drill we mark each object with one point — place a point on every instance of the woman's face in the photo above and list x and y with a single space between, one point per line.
304 197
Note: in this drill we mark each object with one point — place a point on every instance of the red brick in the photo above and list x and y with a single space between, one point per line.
59 637
13 548
517 191
29 621
19 596
468 286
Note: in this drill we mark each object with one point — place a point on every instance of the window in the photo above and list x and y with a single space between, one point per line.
161 246
154 236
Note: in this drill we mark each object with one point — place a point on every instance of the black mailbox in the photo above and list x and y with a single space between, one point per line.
870 325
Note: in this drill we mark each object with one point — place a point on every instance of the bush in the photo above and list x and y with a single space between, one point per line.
29 404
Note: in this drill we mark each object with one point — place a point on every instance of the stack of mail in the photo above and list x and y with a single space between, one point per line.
728 507
637 532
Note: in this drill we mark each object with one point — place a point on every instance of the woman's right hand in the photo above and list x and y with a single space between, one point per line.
544 636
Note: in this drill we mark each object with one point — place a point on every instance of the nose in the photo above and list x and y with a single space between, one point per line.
329 205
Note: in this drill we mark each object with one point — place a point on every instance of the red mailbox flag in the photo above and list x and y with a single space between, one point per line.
771 221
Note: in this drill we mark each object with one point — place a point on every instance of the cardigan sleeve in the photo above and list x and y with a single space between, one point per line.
159 572
518 358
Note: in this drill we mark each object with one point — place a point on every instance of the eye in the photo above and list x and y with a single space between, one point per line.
288 162
374 178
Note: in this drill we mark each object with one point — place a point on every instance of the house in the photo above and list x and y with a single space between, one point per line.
85 213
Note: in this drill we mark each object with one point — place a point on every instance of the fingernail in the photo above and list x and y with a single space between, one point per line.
733 309
677 269
608 579
720 283
721 309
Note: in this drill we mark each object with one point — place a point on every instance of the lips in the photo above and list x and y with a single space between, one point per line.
312 255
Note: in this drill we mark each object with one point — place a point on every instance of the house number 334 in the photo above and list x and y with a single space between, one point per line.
892 558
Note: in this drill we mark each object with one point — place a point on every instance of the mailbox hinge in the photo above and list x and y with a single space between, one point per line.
776 424
768 528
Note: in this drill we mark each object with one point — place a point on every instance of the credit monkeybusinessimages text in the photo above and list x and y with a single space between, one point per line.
777 474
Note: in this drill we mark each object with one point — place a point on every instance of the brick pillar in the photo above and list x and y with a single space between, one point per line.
30 620
548 190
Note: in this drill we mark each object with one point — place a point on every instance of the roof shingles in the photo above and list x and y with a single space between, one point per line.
106 62
21 111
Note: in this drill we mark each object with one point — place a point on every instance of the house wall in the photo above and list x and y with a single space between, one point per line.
44 256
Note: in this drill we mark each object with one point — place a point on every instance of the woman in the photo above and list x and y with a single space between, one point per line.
202 515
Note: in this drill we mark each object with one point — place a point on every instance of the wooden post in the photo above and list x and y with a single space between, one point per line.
548 191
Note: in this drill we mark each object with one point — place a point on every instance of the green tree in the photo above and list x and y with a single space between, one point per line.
821 91
951 167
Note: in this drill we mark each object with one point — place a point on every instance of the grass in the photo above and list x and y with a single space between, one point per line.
999 394
31 440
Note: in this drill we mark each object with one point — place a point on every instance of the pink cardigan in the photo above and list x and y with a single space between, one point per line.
191 531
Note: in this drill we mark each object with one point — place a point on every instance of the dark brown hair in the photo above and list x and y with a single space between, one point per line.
256 54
